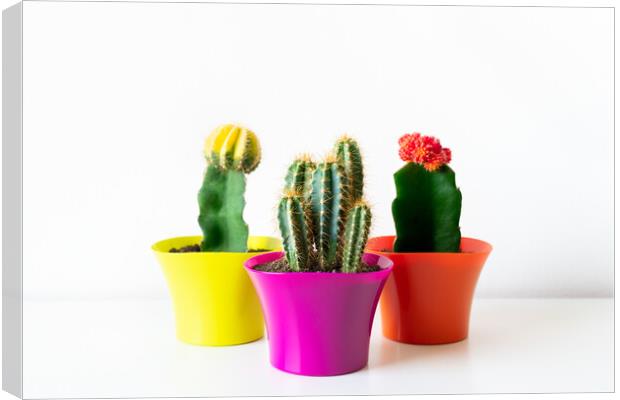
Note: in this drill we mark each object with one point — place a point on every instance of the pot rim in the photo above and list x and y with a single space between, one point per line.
389 265
483 248
157 246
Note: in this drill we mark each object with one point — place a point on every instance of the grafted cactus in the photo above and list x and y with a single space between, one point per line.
355 236
329 208
350 159
231 151
294 224
427 207
299 176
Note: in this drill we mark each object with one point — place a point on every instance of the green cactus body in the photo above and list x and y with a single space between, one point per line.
426 210
299 177
221 204
350 159
329 204
231 152
355 236
294 224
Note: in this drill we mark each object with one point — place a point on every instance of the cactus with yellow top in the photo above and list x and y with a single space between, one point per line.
323 219
231 152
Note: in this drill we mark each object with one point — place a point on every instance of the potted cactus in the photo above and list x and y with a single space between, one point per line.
427 299
214 301
319 296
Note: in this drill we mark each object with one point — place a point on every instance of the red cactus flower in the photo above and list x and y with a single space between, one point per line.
424 150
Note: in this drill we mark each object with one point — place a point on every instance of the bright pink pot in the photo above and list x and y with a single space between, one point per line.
318 323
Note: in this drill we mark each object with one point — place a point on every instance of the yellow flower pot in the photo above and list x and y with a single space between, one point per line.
214 300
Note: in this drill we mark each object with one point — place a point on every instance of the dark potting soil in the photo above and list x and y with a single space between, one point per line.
195 248
192 248
281 265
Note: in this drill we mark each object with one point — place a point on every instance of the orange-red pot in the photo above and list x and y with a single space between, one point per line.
427 298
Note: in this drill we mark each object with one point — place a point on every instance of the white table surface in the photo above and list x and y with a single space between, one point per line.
128 348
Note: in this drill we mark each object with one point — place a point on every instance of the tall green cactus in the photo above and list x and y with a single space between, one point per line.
329 207
299 176
427 207
332 230
349 158
231 152
355 236
294 224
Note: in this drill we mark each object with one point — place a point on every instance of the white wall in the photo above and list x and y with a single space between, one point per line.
118 98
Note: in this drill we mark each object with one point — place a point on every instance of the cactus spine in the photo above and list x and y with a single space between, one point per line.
329 205
231 151
355 236
294 223
350 159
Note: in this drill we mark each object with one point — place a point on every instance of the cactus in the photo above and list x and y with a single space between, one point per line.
324 225
329 207
427 207
299 176
294 224
231 151
355 236
350 159
233 147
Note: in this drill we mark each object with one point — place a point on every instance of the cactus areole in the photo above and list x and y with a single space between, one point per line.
322 216
231 151
427 207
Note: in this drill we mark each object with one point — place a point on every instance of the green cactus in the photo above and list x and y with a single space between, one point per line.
329 207
350 159
231 152
426 210
294 224
355 236
299 176
323 228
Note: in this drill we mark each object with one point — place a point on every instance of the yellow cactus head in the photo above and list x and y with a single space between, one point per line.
233 147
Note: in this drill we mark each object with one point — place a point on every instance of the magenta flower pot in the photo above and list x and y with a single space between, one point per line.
318 323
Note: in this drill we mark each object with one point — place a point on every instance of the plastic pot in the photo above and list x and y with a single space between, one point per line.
427 299
214 301
318 323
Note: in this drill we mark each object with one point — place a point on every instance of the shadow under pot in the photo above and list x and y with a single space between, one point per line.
319 323
427 298
214 301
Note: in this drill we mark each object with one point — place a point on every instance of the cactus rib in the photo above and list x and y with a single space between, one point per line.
355 236
293 219
350 159
328 209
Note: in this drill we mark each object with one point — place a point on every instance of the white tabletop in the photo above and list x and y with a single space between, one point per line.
128 348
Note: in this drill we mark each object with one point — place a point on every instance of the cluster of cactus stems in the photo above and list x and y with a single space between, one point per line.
322 216
427 207
231 152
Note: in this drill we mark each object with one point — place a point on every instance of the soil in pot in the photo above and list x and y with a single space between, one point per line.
195 248
281 265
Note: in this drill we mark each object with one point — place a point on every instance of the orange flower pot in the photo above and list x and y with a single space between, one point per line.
427 298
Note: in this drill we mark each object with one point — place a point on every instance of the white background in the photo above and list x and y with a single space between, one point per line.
510 79
118 99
